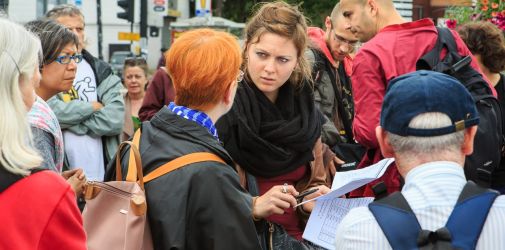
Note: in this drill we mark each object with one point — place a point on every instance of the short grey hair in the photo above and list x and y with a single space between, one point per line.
428 146
64 10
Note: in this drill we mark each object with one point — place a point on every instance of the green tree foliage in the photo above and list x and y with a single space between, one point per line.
240 10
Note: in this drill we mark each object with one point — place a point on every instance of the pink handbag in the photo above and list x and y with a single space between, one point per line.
115 215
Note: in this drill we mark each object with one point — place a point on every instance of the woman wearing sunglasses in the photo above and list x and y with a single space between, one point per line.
57 68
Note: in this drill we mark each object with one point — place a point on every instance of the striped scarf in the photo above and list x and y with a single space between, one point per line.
41 116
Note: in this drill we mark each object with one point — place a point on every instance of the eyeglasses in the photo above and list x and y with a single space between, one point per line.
66 59
341 40
134 61
240 76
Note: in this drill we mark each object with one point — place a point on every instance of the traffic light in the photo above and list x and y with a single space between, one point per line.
127 5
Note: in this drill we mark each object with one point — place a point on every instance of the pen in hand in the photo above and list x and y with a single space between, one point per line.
300 197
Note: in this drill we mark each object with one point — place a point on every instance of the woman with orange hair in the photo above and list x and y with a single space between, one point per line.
202 205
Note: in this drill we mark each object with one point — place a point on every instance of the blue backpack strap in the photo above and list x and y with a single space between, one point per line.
469 215
397 221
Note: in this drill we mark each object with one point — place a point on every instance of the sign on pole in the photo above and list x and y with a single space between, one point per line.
128 36
203 8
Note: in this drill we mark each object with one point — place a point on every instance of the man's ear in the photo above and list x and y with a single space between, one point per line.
467 147
327 23
372 4
383 139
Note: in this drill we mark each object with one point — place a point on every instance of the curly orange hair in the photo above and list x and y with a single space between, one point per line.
203 63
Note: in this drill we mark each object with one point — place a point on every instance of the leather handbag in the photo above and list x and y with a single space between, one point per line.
115 215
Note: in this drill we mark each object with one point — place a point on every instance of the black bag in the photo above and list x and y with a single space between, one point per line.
483 165
346 149
462 230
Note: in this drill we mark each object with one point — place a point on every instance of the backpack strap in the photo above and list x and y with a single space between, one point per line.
397 221
476 202
445 39
402 229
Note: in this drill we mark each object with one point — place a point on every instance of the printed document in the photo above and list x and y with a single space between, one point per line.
345 182
326 216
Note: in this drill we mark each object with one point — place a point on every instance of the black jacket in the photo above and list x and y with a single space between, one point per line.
200 206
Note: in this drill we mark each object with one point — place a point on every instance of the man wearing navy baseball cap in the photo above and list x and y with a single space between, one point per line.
428 122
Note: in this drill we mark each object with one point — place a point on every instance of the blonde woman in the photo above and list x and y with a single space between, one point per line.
38 207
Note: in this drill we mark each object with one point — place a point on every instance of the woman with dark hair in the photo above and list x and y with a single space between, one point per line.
135 81
38 209
58 67
273 130
487 43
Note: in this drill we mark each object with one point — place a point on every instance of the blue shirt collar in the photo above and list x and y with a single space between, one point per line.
194 115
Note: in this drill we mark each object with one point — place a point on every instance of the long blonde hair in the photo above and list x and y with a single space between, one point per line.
20 52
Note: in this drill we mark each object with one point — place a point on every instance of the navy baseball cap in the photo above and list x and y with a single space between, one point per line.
427 91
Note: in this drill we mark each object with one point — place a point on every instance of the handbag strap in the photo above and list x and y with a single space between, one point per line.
135 160
181 162
131 175
132 166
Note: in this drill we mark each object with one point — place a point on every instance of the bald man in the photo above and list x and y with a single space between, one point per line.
392 47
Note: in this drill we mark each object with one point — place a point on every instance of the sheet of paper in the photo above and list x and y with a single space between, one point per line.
345 182
326 216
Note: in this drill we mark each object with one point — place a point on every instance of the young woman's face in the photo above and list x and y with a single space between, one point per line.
135 79
58 77
270 63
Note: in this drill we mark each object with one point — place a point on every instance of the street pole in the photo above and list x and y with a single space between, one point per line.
143 27
99 24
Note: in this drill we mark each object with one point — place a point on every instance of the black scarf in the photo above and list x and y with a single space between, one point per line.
268 139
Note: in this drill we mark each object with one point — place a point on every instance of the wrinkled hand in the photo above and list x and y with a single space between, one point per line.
96 106
275 201
76 179
307 207
69 173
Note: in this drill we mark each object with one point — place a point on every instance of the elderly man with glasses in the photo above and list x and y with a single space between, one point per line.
91 114
330 53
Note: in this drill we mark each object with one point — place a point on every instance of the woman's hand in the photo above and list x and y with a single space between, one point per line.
76 179
275 201
322 189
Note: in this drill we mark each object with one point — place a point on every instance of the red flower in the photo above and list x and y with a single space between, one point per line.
451 23
494 6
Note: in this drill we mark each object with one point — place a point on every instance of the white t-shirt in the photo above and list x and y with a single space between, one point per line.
84 151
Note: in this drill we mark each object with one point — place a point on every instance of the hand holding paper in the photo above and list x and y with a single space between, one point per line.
345 182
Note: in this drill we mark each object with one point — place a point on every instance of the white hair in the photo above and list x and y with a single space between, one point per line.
19 55
432 146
